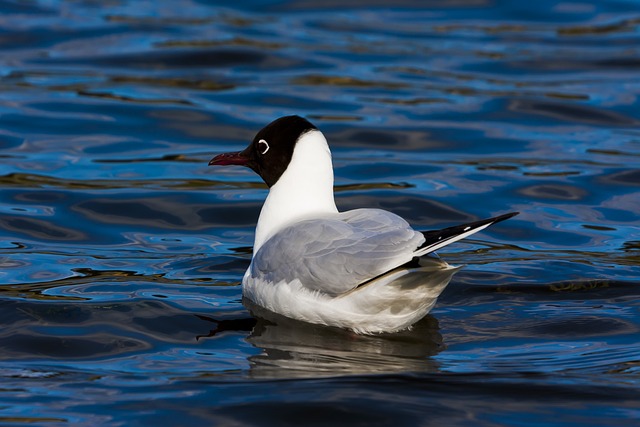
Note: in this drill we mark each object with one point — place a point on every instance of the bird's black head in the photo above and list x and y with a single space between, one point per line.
271 150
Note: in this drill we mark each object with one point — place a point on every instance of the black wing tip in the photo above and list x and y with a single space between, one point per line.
449 235
503 217
458 229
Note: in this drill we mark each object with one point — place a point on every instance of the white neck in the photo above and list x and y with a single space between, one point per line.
304 190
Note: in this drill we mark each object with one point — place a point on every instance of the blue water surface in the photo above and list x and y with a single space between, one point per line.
121 252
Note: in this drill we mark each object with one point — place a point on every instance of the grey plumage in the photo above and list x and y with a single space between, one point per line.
336 253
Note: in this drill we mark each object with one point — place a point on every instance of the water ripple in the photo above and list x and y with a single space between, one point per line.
121 251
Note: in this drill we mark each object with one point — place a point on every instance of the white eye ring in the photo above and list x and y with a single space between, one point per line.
262 141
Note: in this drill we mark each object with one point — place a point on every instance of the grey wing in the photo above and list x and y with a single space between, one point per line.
337 253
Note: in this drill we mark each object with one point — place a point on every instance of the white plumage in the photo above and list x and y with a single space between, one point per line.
364 269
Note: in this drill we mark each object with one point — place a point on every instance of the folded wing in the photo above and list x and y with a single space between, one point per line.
337 253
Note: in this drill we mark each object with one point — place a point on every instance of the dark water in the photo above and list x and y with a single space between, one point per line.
121 252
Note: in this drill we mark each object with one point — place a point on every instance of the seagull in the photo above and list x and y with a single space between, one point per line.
365 270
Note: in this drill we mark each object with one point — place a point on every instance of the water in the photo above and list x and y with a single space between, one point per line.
121 252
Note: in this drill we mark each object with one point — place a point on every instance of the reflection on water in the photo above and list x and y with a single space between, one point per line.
121 252
295 349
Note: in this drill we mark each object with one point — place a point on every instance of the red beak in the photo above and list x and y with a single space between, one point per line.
238 158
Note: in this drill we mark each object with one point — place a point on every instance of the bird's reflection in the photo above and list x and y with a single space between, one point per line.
291 348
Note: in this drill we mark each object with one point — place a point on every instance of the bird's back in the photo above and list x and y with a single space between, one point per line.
335 253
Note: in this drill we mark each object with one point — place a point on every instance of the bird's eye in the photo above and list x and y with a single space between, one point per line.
263 146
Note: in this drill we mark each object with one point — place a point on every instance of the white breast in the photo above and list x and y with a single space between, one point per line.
304 190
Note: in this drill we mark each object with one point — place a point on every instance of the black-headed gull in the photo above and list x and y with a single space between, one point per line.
363 269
